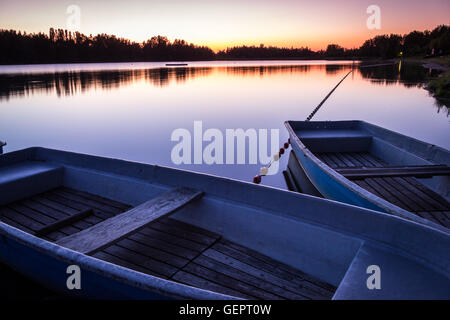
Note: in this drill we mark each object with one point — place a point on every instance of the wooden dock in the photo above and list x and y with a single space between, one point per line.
166 248
394 184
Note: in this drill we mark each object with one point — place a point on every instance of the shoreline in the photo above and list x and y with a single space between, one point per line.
437 63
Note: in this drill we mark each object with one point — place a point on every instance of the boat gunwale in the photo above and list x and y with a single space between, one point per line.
339 178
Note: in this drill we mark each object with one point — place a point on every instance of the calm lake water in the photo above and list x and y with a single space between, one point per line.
129 111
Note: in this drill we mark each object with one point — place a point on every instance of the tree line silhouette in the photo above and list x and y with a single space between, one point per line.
65 46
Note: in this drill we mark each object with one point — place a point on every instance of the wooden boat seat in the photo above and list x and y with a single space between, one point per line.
335 140
357 173
120 226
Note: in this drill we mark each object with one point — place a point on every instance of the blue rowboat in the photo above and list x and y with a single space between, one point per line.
104 228
365 165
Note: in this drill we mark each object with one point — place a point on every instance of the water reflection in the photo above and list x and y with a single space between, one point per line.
75 82
410 75
130 111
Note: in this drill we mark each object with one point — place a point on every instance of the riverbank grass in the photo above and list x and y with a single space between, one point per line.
441 85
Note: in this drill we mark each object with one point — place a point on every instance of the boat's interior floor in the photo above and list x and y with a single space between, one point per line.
167 248
404 192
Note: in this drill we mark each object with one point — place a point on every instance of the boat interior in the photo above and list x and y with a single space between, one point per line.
408 173
163 246
231 239
166 248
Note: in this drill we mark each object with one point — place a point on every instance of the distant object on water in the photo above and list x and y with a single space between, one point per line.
67 216
365 165
176 64
2 144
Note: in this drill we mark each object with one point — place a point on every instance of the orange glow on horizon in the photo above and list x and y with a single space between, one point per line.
221 24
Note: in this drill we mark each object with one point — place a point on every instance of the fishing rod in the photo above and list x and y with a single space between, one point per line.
327 96
331 92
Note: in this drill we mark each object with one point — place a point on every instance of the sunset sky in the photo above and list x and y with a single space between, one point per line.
219 24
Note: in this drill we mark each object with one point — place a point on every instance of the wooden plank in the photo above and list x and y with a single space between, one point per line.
172 239
118 227
176 223
62 223
19 218
58 215
407 203
351 156
329 161
92 219
76 205
438 200
67 210
106 201
374 160
385 194
442 217
30 213
366 186
44 209
406 171
276 264
192 280
336 160
245 277
42 218
422 204
154 265
299 279
362 160
228 282
120 262
183 233
164 245
55 236
429 216
344 159
258 272
88 202
14 223
153 253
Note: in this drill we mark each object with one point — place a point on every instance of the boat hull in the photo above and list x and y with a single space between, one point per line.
311 140
326 239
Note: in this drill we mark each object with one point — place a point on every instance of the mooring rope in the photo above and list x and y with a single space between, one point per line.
276 157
